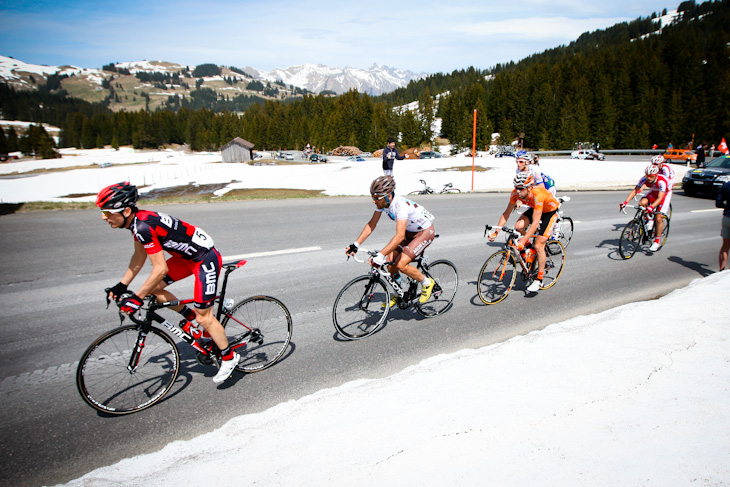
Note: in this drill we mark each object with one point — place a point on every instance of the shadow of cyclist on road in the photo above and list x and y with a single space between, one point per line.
701 269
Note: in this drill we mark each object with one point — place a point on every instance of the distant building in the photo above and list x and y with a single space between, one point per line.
237 150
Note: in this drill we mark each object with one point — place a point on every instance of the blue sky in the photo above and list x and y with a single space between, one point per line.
421 36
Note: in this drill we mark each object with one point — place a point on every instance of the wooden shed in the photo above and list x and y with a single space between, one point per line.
237 150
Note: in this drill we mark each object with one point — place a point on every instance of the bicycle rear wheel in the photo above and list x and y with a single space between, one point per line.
566 230
259 329
665 233
631 238
107 384
361 307
447 281
554 262
496 277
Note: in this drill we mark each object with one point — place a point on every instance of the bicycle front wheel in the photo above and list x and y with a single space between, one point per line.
497 277
554 262
111 381
442 296
361 307
259 329
631 238
566 230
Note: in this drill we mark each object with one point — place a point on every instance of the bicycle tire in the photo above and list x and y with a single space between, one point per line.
105 381
259 329
631 238
665 233
447 282
554 263
566 231
452 190
496 277
412 193
361 307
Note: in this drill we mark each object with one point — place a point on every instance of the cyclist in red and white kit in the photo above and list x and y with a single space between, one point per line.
192 253
655 200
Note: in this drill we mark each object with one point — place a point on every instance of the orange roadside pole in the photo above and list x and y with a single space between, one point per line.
473 149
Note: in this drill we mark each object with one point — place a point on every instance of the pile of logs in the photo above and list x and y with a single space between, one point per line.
346 150
412 153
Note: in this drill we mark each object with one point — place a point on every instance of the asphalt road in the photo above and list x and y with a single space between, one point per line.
56 264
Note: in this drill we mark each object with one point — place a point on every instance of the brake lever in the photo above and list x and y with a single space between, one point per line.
107 291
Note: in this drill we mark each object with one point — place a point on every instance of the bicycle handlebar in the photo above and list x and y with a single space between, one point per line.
371 253
638 207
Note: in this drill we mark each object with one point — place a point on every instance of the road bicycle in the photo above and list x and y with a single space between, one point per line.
133 367
362 306
499 272
448 188
640 231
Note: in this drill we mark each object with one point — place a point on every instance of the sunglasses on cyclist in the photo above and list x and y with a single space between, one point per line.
108 213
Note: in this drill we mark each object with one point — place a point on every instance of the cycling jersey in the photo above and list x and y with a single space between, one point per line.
660 184
540 178
159 231
668 173
402 208
538 199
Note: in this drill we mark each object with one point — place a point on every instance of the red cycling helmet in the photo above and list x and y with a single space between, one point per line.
118 195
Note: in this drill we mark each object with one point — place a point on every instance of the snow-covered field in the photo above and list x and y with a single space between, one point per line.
158 169
637 395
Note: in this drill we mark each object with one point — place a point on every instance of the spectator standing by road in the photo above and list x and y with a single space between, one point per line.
700 156
712 151
723 201
670 146
390 154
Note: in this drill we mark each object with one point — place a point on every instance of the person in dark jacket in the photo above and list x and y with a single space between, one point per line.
723 201
700 156
390 154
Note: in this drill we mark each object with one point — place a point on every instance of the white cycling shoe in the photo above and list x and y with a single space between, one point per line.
654 247
534 287
226 369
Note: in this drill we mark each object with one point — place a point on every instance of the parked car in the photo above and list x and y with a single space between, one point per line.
317 158
680 155
106 164
587 154
355 158
289 156
708 179
502 154
429 154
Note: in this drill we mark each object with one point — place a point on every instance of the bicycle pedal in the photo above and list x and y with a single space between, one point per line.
203 359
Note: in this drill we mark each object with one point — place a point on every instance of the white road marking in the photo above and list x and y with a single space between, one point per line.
270 253
703 211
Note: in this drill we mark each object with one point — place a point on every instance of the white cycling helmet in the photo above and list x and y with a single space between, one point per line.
657 160
652 170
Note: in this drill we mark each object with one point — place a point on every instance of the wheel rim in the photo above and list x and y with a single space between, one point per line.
259 329
359 309
631 238
447 283
496 278
105 382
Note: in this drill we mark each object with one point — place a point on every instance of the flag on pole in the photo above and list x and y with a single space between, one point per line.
723 146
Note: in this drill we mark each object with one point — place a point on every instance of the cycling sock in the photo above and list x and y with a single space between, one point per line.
187 313
539 276
426 281
227 354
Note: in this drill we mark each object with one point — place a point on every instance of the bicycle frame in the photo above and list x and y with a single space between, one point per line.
512 249
639 216
406 296
150 306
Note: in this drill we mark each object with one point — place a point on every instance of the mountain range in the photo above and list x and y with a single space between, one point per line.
313 78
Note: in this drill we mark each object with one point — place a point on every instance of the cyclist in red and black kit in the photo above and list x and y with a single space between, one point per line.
192 253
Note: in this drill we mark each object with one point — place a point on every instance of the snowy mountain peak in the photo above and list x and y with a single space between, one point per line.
375 80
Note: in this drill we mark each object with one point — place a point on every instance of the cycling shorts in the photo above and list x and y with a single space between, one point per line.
545 227
725 230
663 207
206 274
416 242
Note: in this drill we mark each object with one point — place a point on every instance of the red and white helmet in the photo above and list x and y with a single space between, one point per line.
651 170
657 160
